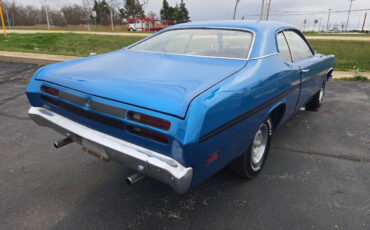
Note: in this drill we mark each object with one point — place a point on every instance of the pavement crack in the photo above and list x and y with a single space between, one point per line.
342 157
11 98
14 117
13 80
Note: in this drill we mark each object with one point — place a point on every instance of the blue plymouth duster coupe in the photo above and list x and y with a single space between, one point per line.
185 102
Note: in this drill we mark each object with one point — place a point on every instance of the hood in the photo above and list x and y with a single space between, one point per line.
163 82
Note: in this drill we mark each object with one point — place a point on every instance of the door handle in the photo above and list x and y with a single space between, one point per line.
305 71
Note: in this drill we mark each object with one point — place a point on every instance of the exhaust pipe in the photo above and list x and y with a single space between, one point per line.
62 142
134 178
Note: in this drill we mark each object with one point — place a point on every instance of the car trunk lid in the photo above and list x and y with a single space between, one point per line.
162 82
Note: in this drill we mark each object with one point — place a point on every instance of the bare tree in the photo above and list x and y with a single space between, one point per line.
151 14
74 14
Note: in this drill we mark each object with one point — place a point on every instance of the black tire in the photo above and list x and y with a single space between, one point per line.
316 101
244 166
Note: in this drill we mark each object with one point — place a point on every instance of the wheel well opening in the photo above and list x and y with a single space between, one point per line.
329 74
277 115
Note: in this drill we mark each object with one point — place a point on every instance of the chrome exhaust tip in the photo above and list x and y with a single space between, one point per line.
62 142
134 178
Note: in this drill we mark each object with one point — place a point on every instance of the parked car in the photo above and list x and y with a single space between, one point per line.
185 102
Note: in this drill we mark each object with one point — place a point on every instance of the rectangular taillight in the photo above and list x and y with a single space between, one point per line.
149 120
49 90
147 134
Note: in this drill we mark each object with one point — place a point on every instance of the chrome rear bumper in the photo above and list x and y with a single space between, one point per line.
147 162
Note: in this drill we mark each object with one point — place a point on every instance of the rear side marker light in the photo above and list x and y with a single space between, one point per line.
212 157
149 120
147 134
49 90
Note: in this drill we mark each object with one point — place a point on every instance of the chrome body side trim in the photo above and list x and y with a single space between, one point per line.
147 162
94 105
190 55
264 56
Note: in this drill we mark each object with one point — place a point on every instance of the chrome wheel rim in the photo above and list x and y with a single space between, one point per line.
321 94
259 146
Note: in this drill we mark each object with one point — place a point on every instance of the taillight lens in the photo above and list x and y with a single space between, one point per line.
149 120
49 90
147 134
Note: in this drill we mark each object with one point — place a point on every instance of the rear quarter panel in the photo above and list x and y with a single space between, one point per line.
260 81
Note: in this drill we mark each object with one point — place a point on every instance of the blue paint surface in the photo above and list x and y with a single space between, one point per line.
198 95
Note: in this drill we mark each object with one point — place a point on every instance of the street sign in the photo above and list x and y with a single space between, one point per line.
8 21
93 13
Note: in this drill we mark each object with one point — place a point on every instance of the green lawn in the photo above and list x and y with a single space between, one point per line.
350 55
355 78
65 44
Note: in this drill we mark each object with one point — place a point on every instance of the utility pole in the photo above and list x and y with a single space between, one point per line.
349 11
111 18
304 24
13 7
262 10
2 20
111 13
236 6
7 17
268 10
363 25
87 11
47 15
327 23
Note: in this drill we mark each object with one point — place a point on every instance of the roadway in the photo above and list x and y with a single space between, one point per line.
317 175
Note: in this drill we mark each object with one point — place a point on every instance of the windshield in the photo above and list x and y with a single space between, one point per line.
219 43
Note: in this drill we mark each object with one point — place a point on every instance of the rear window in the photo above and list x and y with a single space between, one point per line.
219 43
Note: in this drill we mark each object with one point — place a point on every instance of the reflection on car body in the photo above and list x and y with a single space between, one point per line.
187 101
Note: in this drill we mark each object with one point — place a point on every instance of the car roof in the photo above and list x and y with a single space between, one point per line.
264 31
254 25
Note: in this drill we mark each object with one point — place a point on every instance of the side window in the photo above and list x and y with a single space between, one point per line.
283 48
299 48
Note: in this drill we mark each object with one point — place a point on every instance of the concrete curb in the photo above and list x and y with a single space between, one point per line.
46 59
343 74
33 58
126 34
339 38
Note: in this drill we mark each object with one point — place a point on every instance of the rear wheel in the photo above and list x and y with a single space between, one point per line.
316 101
251 162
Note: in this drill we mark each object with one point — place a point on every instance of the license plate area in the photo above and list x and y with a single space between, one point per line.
94 149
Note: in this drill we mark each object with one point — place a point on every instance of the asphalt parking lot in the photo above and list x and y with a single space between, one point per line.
317 175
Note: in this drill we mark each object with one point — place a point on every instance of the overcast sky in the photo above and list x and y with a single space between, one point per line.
223 9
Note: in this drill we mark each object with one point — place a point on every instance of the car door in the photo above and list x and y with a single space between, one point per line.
292 73
303 55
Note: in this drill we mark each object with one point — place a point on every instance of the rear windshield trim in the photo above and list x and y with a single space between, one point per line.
200 28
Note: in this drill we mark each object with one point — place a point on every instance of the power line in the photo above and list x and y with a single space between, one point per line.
293 13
